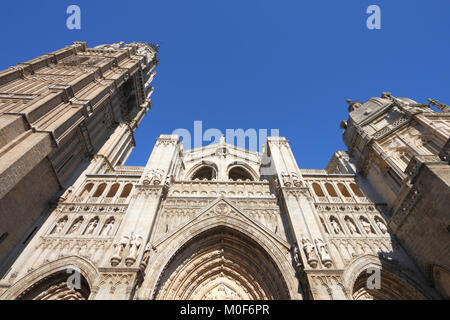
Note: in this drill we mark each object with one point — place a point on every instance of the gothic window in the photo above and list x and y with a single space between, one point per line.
344 190
205 172
101 188
356 190
239 173
318 190
126 191
113 190
330 189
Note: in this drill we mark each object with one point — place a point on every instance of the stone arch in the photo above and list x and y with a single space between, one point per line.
203 170
440 277
43 278
393 286
171 257
242 168
221 263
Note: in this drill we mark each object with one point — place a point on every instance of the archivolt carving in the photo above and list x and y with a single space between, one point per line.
47 271
221 263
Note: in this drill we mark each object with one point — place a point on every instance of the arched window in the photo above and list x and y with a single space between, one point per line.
87 189
126 191
101 188
205 172
239 173
356 190
318 190
113 190
330 190
344 190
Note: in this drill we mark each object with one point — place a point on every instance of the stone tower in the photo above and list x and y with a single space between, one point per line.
60 113
400 149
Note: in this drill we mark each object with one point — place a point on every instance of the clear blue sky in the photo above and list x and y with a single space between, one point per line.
257 64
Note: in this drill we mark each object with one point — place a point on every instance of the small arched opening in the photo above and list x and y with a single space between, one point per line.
101 188
126 190
239 173
343 190
205 172
318 190
113 190
330 189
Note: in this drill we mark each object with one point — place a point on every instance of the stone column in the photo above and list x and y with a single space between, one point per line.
298 203
136 227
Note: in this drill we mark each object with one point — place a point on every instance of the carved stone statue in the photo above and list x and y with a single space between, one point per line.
118 250
135 243
297 258
366 226
75 226
145 257
286 179
323 252
311 256
91 226
296 180
59 226
381 225
351 226
108 228
336 226
153 176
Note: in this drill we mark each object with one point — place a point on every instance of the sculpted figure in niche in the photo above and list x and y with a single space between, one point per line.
59 226
91 226
108 227
335 225
351 225
381 225
366 225
323 252
311 256
75 226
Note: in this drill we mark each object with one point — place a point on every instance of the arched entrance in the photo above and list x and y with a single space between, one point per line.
57 287
221 263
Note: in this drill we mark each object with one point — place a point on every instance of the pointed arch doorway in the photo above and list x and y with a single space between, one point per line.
221 264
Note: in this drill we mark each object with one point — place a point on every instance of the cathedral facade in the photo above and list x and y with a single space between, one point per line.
221 222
